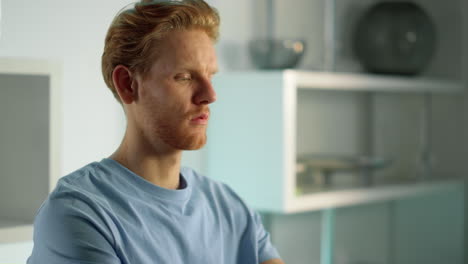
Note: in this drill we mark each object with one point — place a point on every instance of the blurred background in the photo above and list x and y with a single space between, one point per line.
364 159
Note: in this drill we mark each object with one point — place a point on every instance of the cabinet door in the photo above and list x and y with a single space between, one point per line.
362 234
429 229
24 140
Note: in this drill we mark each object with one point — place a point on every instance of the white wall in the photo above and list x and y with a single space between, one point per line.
71 33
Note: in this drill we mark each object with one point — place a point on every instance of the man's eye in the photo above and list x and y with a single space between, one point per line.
183 77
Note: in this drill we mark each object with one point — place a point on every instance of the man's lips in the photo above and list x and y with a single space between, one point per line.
201 119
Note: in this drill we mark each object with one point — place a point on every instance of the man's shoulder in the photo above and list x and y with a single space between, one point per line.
87 185
81 178
83 191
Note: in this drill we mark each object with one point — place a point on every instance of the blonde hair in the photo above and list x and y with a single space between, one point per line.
133 37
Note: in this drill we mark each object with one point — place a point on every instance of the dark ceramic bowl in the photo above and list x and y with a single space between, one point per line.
395 38
276 53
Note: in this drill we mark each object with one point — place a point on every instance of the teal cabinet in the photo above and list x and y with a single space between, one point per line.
249 146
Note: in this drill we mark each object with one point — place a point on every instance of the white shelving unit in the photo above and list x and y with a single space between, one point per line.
30 155
253 144
333 199
368 82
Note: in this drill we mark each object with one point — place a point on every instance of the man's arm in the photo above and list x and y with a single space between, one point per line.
273 261
266 248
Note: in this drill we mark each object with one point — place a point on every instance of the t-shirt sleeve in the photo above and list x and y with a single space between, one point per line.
255 240
266 250
69 231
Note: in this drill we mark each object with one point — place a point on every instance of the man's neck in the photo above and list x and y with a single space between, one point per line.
161 169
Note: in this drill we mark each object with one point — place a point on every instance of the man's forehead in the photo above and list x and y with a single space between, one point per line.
189 44
184 55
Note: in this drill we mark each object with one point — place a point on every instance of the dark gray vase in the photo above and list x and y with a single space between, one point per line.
395 38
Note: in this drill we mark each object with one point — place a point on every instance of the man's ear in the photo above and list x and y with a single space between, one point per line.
125 84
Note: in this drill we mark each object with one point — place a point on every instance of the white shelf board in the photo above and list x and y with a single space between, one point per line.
14 231
333 199
371 82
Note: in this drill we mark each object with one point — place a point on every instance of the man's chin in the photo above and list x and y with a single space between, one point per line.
194 142
196 145
194 148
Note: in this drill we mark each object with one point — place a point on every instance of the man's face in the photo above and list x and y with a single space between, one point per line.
172 104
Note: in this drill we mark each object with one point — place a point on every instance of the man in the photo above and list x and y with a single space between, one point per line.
138 206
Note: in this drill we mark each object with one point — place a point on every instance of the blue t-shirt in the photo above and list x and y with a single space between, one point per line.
105 214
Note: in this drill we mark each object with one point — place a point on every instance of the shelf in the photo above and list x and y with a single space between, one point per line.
15 231
264 120
333 199
370 82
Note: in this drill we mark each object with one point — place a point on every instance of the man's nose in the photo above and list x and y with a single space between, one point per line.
206 93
